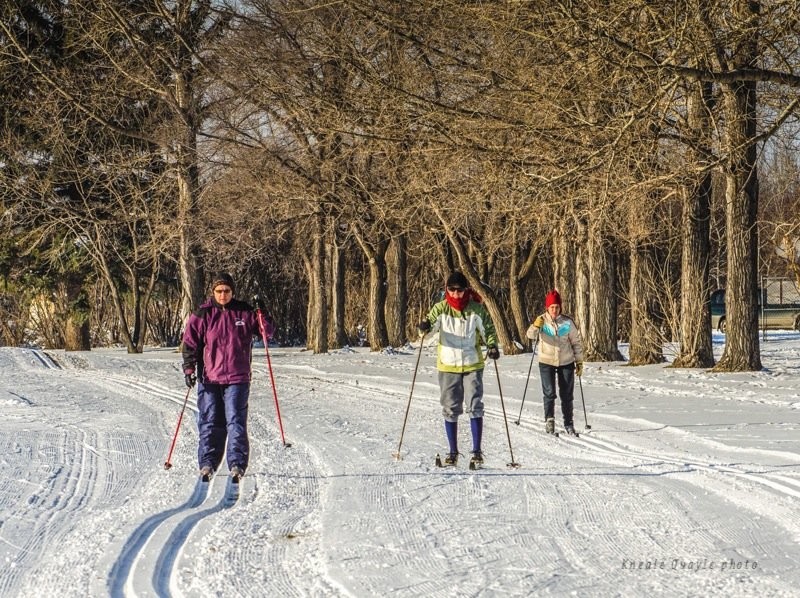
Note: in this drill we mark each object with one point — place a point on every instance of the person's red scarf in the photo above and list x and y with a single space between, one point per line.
459 303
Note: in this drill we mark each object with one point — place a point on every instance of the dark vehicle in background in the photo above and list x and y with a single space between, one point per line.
778 307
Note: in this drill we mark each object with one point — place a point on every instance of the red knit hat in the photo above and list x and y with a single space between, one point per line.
551 298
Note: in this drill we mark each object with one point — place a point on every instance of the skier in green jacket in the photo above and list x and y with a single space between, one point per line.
463 325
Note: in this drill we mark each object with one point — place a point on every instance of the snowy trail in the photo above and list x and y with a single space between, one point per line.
86 507
436 567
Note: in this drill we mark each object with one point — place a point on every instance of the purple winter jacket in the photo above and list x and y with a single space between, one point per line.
217 342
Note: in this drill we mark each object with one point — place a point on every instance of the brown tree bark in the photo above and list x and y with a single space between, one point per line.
397 291
317 318
565 252
601 342
582 314
338 303
523 259
76 326
645 343
696 349
375 252
742 351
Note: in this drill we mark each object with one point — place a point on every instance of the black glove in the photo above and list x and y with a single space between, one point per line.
259 303
493 352
424 326
190 378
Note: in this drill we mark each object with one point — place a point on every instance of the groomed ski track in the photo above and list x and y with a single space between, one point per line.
336 515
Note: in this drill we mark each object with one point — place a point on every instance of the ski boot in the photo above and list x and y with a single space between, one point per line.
570 430
206 472
550 426
451 460
236 474
476 461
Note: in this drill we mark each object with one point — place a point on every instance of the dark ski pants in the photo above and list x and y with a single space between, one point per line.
565 375
222 413
456 389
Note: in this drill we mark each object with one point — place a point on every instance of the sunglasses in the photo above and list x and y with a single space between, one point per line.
222 291
456 289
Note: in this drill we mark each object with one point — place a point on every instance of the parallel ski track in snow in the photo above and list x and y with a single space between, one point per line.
135 572
120 579
378 495
589 442
44 359
170 537
71 485
138 572
167 554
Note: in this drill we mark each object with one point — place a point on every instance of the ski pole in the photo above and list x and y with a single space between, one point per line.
502 404
585 420
525 391
271 376
397 455
168 462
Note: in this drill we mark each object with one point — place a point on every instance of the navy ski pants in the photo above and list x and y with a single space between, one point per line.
565 375
222 413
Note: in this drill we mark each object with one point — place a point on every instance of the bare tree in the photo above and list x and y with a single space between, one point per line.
695 332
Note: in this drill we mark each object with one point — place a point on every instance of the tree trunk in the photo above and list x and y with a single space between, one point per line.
318 321
119 304
186 162
645 345
696 350
144 302
187 247
518 277
564 259
312 333
338 299
601 343
397 298
375 252
742 352
582 315
137 334
76 327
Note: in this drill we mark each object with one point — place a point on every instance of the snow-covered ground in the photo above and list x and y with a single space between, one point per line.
687 484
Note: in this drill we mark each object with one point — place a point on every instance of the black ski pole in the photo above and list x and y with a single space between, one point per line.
397 455
168 462
525 392
585 420
503 405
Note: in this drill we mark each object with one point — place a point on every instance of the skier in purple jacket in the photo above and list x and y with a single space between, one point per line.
217 351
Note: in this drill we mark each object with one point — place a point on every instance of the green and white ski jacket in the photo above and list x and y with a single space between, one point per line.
460 336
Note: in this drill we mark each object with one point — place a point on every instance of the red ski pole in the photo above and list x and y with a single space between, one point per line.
168 462
271 376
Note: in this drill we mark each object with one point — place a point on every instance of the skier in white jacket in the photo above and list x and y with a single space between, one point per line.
560 358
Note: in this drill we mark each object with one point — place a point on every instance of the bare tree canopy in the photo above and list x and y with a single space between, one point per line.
341 158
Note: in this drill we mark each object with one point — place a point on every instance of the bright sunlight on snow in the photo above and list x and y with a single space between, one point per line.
687 483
